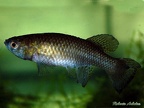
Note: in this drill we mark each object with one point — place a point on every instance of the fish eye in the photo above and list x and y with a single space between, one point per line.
14 45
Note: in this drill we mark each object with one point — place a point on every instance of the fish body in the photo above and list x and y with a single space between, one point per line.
71 52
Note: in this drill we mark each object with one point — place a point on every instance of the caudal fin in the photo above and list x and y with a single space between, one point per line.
124 74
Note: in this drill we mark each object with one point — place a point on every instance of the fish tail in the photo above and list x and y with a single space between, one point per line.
124 73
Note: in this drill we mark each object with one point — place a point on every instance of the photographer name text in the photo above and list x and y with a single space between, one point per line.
126 104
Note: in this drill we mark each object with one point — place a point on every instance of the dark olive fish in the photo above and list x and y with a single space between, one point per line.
75 54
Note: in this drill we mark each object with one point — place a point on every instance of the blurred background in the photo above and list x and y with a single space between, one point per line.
20 84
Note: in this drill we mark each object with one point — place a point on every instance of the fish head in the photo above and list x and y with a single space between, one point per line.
18 47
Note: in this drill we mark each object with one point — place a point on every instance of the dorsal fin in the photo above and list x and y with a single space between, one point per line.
107 42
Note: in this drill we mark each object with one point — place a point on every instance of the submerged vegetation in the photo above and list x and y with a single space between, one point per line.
54 90
9 99
135 49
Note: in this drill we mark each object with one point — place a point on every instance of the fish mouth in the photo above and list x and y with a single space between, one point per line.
5 42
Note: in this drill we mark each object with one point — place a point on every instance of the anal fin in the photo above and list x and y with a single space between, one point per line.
83 74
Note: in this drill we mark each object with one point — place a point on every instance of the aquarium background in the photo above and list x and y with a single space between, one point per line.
20 84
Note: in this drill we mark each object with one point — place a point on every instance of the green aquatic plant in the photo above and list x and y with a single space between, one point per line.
9 99
135 48
61 92
23 101
53 90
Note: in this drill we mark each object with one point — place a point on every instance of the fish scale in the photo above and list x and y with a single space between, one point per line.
78 56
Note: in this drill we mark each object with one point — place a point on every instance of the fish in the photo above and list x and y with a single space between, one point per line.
79 56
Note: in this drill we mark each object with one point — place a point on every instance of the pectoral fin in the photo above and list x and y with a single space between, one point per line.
42 69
